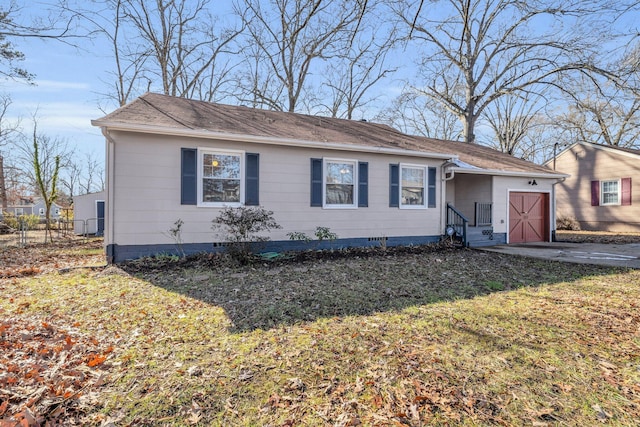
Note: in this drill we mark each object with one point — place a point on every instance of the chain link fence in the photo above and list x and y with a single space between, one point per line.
25 233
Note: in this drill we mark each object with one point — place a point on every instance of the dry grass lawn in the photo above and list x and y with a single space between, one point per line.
448 337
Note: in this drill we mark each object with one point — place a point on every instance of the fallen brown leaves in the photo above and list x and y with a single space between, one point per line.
43 258
49 374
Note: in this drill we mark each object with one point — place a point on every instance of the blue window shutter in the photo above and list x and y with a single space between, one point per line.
252 180
316 182
363 184
431 185
394 185
189 176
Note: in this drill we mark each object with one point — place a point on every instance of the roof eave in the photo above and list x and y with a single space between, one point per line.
497 172
203 133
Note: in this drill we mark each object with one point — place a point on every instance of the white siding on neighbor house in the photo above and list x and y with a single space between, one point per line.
146 192
503 185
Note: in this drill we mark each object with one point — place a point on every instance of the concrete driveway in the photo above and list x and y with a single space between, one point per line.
618 255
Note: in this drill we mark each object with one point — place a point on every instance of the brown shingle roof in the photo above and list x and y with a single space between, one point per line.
170 113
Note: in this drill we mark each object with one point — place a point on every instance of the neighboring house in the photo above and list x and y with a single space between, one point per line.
172 158
598 194
88 213
35 208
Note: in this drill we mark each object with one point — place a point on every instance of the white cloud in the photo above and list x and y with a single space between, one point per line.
49 86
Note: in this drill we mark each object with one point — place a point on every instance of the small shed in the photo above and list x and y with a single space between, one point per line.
88 213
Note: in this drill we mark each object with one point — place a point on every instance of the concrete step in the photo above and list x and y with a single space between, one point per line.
481 243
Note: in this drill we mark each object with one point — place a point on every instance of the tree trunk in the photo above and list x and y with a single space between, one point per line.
3 186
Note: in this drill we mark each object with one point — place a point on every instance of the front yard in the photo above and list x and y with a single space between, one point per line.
420 337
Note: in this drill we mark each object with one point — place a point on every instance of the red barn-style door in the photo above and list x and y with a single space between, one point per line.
528 217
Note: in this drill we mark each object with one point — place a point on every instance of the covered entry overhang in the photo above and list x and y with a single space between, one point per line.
498 206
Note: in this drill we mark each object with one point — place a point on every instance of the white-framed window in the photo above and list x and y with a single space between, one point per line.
19 211
413 186
610 192
340 179
220 177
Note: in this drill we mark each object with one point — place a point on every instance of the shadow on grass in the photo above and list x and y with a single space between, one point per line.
266 295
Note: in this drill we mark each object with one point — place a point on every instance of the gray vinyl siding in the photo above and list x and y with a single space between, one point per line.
147 193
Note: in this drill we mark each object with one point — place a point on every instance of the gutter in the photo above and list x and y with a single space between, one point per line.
497 172
267 140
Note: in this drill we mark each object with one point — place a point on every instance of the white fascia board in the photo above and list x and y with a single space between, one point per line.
267 140
495 172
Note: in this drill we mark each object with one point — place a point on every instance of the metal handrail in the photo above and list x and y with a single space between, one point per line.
458 222
484 213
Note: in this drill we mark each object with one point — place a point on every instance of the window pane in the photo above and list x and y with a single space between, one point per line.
221 190
412 181
339 173
412 196
339 194
413 177
221 166
609 192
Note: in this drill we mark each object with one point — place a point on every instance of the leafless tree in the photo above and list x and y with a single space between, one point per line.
289 37
351 75
49 148
512 118
418 115
473 52
174 45
58 24
8 131
605 112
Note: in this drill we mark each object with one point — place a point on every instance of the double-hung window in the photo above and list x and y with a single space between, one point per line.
413 184
339 183
217 177
610 192
221 177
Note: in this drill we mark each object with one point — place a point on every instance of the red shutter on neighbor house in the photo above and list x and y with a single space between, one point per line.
626 192
595 193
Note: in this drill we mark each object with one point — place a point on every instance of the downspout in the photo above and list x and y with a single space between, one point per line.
109 234
553 209
443 191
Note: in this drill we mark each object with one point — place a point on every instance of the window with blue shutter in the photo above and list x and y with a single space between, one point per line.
189 172
210 177
339 183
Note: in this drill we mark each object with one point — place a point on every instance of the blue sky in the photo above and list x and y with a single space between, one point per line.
68 86
64 97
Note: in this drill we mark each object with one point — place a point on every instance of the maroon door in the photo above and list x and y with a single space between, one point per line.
528 217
